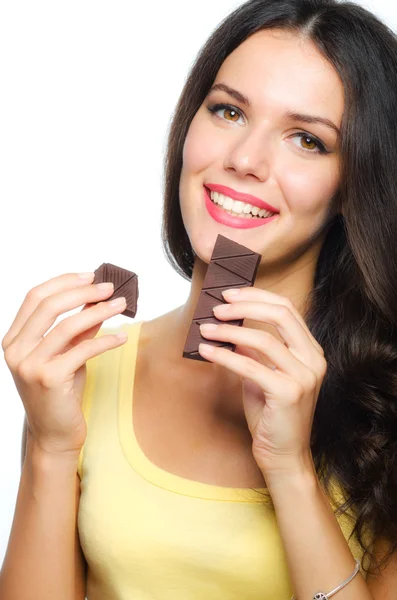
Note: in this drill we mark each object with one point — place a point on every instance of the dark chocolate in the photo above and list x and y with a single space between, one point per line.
231 265
125 285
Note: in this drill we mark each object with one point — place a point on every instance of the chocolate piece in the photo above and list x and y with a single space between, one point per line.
125 284
231 265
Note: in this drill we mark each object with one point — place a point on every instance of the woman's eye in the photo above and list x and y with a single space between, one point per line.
228 112
310 140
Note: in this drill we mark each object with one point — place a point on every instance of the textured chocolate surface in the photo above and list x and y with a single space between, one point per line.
125 285
231 265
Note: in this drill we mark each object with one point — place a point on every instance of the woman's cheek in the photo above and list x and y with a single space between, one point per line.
308 191
201 148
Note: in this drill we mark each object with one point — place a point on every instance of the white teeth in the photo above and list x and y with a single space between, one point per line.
238 208
228 203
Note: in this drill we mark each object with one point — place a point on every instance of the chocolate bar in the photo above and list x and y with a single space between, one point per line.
125 285
231 265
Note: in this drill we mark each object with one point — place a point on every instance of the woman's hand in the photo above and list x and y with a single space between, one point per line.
49 367
281 381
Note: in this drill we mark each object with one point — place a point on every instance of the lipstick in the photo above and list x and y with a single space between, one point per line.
220 215
247 198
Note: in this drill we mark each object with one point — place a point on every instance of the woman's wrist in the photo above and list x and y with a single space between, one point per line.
299 474
46 460
317 552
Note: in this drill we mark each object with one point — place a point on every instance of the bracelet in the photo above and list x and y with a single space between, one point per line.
322 596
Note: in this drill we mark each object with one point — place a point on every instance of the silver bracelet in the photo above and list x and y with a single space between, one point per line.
322 596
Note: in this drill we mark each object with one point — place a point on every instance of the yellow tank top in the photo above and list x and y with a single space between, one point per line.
149 534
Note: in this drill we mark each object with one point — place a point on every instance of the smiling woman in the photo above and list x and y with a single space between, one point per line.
294 103
266 471
255 149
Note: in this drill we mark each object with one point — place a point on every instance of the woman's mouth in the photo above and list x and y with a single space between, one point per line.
235 213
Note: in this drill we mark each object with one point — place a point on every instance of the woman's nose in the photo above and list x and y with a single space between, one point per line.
249 156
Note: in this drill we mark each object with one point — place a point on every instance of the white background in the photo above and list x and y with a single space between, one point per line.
87 90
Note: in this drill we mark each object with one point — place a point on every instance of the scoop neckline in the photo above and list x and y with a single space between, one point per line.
134 453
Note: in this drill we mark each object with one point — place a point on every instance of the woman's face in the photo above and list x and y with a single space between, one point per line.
256 149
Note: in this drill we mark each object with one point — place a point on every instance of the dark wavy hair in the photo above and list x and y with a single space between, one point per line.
353 304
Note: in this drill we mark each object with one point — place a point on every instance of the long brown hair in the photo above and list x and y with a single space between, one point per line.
353 304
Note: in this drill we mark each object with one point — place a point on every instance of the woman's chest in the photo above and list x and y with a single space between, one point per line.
178 435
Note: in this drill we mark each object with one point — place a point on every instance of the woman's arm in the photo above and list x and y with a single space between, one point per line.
281 380
43 559
318 556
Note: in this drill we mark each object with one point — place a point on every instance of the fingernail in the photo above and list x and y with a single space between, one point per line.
207 327
117 302
206 348
108 285
231 292
222 307
86 275
123 336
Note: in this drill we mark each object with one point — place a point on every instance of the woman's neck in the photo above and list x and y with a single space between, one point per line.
218 387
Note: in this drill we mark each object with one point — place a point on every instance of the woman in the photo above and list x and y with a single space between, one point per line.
267 471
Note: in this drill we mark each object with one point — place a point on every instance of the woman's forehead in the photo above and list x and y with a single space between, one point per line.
283 67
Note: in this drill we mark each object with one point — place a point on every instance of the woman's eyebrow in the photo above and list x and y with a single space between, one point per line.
295 116
289 114
234 93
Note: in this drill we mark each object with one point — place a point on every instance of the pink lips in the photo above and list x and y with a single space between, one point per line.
247 198
221 216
